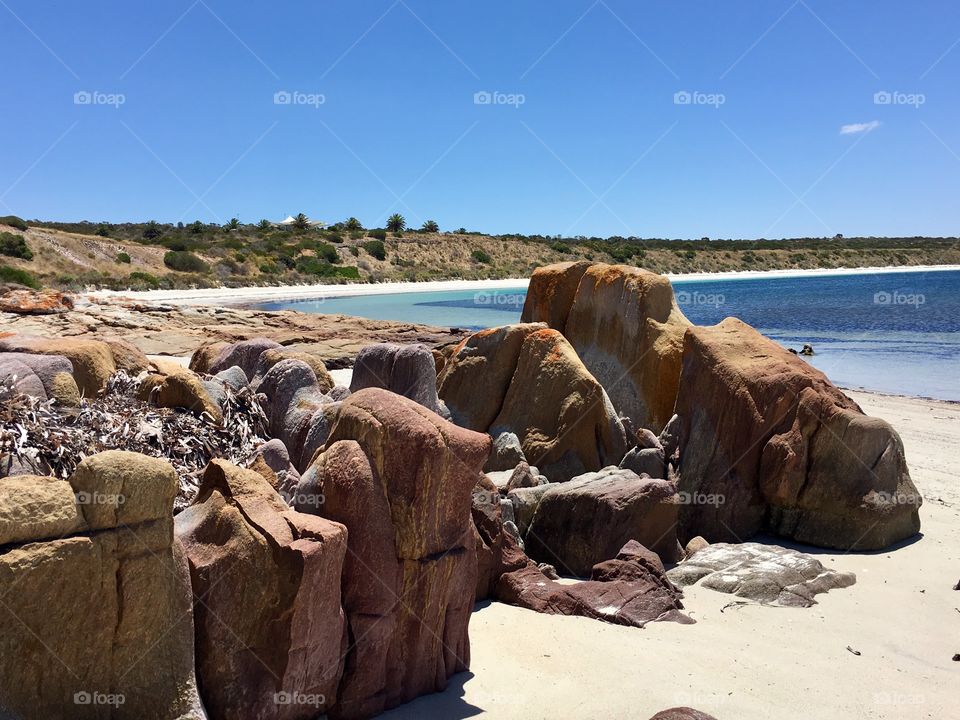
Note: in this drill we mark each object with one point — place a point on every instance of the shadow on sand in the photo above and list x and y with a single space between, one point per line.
447 705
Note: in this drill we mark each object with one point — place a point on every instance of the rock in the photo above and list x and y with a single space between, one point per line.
807 350
776 445
525 502
204 356
635 602
694 545
233 377
647 440
407 370
506 453
587 520
624 324
339 393
35 302
765 573
498 550
270 357
670 439
400 478
246 354
648 461
478 374
562 416
682 713
42 376
634 562
269 620
549 571
183 389
272 461
522 477
97 595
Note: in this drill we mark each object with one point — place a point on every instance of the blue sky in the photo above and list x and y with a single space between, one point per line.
778 134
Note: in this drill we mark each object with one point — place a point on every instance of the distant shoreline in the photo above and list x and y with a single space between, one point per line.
256 295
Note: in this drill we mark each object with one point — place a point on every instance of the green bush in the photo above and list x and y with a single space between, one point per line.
103 231
378 234
333 237
123 257
480 256
152 231
561 247
376 249
326 251
142 278
183 261
14 246
21 277
13 221
355 251
315 266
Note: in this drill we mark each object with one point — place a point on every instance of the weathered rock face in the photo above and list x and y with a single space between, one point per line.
497 550
407 370
245 354
182 388
587 520
270 628
624 324
96 595
272 461
506 453
204 356
783 448
765 573
35 302
42 376
93 361
630 590
400 479
269 358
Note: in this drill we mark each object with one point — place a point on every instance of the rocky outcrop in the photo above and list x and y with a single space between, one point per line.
48 377
630 590
96 617
407 370
272 461
580 523
93 361
527 380
776 445
505 454
497 550
35 302
400 479
271 634
182 388
624 324
765 573
269 358
244 354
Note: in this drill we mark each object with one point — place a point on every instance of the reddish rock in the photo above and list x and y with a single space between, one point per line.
766 440
551 293
35 302
682 713
587 520
400 478
497 551
271 634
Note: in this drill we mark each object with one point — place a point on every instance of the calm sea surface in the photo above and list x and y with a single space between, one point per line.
892 332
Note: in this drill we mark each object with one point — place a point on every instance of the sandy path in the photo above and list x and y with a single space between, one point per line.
752 662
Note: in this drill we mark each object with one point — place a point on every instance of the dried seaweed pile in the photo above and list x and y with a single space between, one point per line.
44 438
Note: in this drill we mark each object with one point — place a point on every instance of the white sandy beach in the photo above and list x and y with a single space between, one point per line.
753 662
250 295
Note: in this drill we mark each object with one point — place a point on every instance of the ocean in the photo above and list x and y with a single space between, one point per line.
892 332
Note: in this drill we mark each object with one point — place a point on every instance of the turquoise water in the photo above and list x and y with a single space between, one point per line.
897 333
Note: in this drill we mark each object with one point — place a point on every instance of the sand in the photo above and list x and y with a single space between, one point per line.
753 662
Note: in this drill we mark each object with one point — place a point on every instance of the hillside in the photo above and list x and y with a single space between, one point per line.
150 255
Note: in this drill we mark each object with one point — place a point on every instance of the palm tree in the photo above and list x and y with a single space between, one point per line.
352 224
396 223
233 224
300 222
264 224
431 226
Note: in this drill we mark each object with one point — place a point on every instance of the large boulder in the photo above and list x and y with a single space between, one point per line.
96 615
624 324
633 592
271 634
766 573
407 370
497 550
400 478
776 444
21 301
42 376
527 380
245 354
93 361
270 357
587 520
183 388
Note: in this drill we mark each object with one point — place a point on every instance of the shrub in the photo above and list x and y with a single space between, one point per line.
355 251
183 261
333 237
21 277
376 249
378 234
326 251
142 278
14 222
561 247
123 257
352 224
315 266
103 231
356 234
14 246
480 256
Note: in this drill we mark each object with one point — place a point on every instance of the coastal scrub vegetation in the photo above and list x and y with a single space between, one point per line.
14 246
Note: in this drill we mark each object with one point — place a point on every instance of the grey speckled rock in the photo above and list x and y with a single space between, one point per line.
42 376
233 376
506 453
407 370
645 461
765 573
246 354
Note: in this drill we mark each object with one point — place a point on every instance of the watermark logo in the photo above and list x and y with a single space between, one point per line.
885 97
314 700
98 498
501 300
296 97
302 500
98 698
888 698
484 97
696 97
899 498
95 97
899 298
698 498
684 297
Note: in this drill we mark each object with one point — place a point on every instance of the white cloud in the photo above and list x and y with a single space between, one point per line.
856 128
